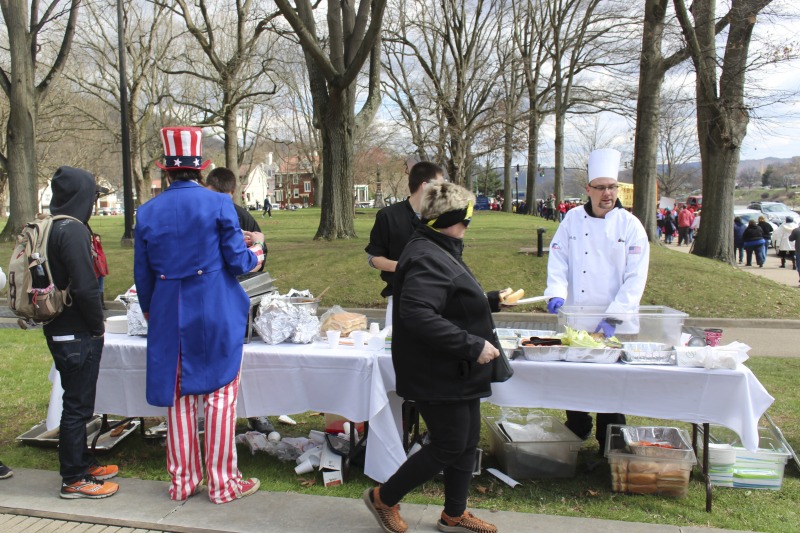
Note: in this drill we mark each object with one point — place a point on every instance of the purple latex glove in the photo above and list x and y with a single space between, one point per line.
607 329
554 304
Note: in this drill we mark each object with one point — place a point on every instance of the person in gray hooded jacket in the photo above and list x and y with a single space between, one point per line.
75 337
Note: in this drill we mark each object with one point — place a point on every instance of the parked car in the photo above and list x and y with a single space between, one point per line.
776 212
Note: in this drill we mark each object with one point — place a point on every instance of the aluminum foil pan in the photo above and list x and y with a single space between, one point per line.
592 355
647 353
678 439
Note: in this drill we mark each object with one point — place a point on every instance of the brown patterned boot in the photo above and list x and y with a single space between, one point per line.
466 523
388 517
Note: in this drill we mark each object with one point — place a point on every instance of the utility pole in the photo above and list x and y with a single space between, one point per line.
127 182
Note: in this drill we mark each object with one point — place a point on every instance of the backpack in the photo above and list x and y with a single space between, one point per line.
43 304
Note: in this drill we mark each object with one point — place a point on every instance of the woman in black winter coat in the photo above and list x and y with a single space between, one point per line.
754 242
443 345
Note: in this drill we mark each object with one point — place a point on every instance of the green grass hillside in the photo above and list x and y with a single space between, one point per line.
697 286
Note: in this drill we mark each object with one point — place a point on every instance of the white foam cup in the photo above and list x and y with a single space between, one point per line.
333 337
358 338
304 468
374 328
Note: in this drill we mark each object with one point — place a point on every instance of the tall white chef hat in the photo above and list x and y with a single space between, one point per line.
604 163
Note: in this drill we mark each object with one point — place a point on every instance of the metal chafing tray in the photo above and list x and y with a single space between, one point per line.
648 353
107 437
255 285
678 439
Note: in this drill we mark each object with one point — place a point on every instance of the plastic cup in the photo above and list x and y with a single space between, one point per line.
713 336
304 468
374 328
376 343
358 339
333 337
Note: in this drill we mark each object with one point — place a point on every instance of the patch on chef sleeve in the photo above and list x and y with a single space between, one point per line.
555 246
634 249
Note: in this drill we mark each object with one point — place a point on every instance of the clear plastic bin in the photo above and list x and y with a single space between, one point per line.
762 469
555 456
652 323
641 474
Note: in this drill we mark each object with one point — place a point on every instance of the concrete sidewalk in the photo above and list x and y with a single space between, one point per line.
144 505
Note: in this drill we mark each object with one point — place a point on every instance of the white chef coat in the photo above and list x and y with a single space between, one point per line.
599 261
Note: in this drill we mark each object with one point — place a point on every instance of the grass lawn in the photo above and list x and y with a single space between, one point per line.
697 286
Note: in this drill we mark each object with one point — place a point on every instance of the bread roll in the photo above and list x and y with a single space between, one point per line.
642 489
513 297
644 466
679 475
344 322
641 479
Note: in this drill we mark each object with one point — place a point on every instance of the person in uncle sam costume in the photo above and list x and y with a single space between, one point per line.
599 256
188 251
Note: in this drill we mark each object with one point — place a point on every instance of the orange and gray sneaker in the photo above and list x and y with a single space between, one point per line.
388 517
101 473
88 488
466 523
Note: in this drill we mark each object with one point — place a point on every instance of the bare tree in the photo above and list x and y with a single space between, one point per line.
26 24
585 35
722 115
452 42
148 39
677 141
353 37
748 177
233 37
532 35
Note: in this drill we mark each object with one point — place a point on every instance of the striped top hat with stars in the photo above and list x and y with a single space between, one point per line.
183 148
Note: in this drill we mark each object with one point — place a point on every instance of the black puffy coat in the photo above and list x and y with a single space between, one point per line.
441 318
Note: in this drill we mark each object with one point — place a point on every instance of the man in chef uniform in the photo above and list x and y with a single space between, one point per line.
599 257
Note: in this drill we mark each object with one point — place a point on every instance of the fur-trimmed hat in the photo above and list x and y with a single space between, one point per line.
446 204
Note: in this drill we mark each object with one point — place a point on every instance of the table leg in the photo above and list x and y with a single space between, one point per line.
355 446
706 432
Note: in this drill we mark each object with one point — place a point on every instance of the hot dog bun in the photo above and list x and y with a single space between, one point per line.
513 297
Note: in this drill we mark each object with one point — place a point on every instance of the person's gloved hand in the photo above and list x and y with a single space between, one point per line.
554 304
607 328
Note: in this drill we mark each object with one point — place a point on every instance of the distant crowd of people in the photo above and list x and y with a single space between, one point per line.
549 210
681 222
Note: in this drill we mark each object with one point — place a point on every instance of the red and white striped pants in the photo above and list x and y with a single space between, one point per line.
184 462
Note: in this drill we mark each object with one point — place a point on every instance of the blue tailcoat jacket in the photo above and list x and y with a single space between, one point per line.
188 251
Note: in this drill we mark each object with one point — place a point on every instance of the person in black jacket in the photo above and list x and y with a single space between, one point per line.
222 180
753 240
766 229
75 337
442 345
394 226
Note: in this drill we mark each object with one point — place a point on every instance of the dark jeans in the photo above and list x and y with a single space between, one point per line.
580 423
739 252
683 236
454 429
759 250
78 363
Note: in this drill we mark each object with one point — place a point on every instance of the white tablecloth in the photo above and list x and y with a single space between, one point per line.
357 384
275 380
732 398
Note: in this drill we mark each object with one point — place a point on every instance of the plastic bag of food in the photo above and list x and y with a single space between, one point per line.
337 318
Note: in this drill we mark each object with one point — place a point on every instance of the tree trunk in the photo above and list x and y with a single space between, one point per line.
232 148
21 128
645 154
338 128
508 149
558 185
534 125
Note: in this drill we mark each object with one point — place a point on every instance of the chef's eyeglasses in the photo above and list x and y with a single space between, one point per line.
604 188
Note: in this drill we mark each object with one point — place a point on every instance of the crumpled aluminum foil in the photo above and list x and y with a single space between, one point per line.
278 321
137 325
307 327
